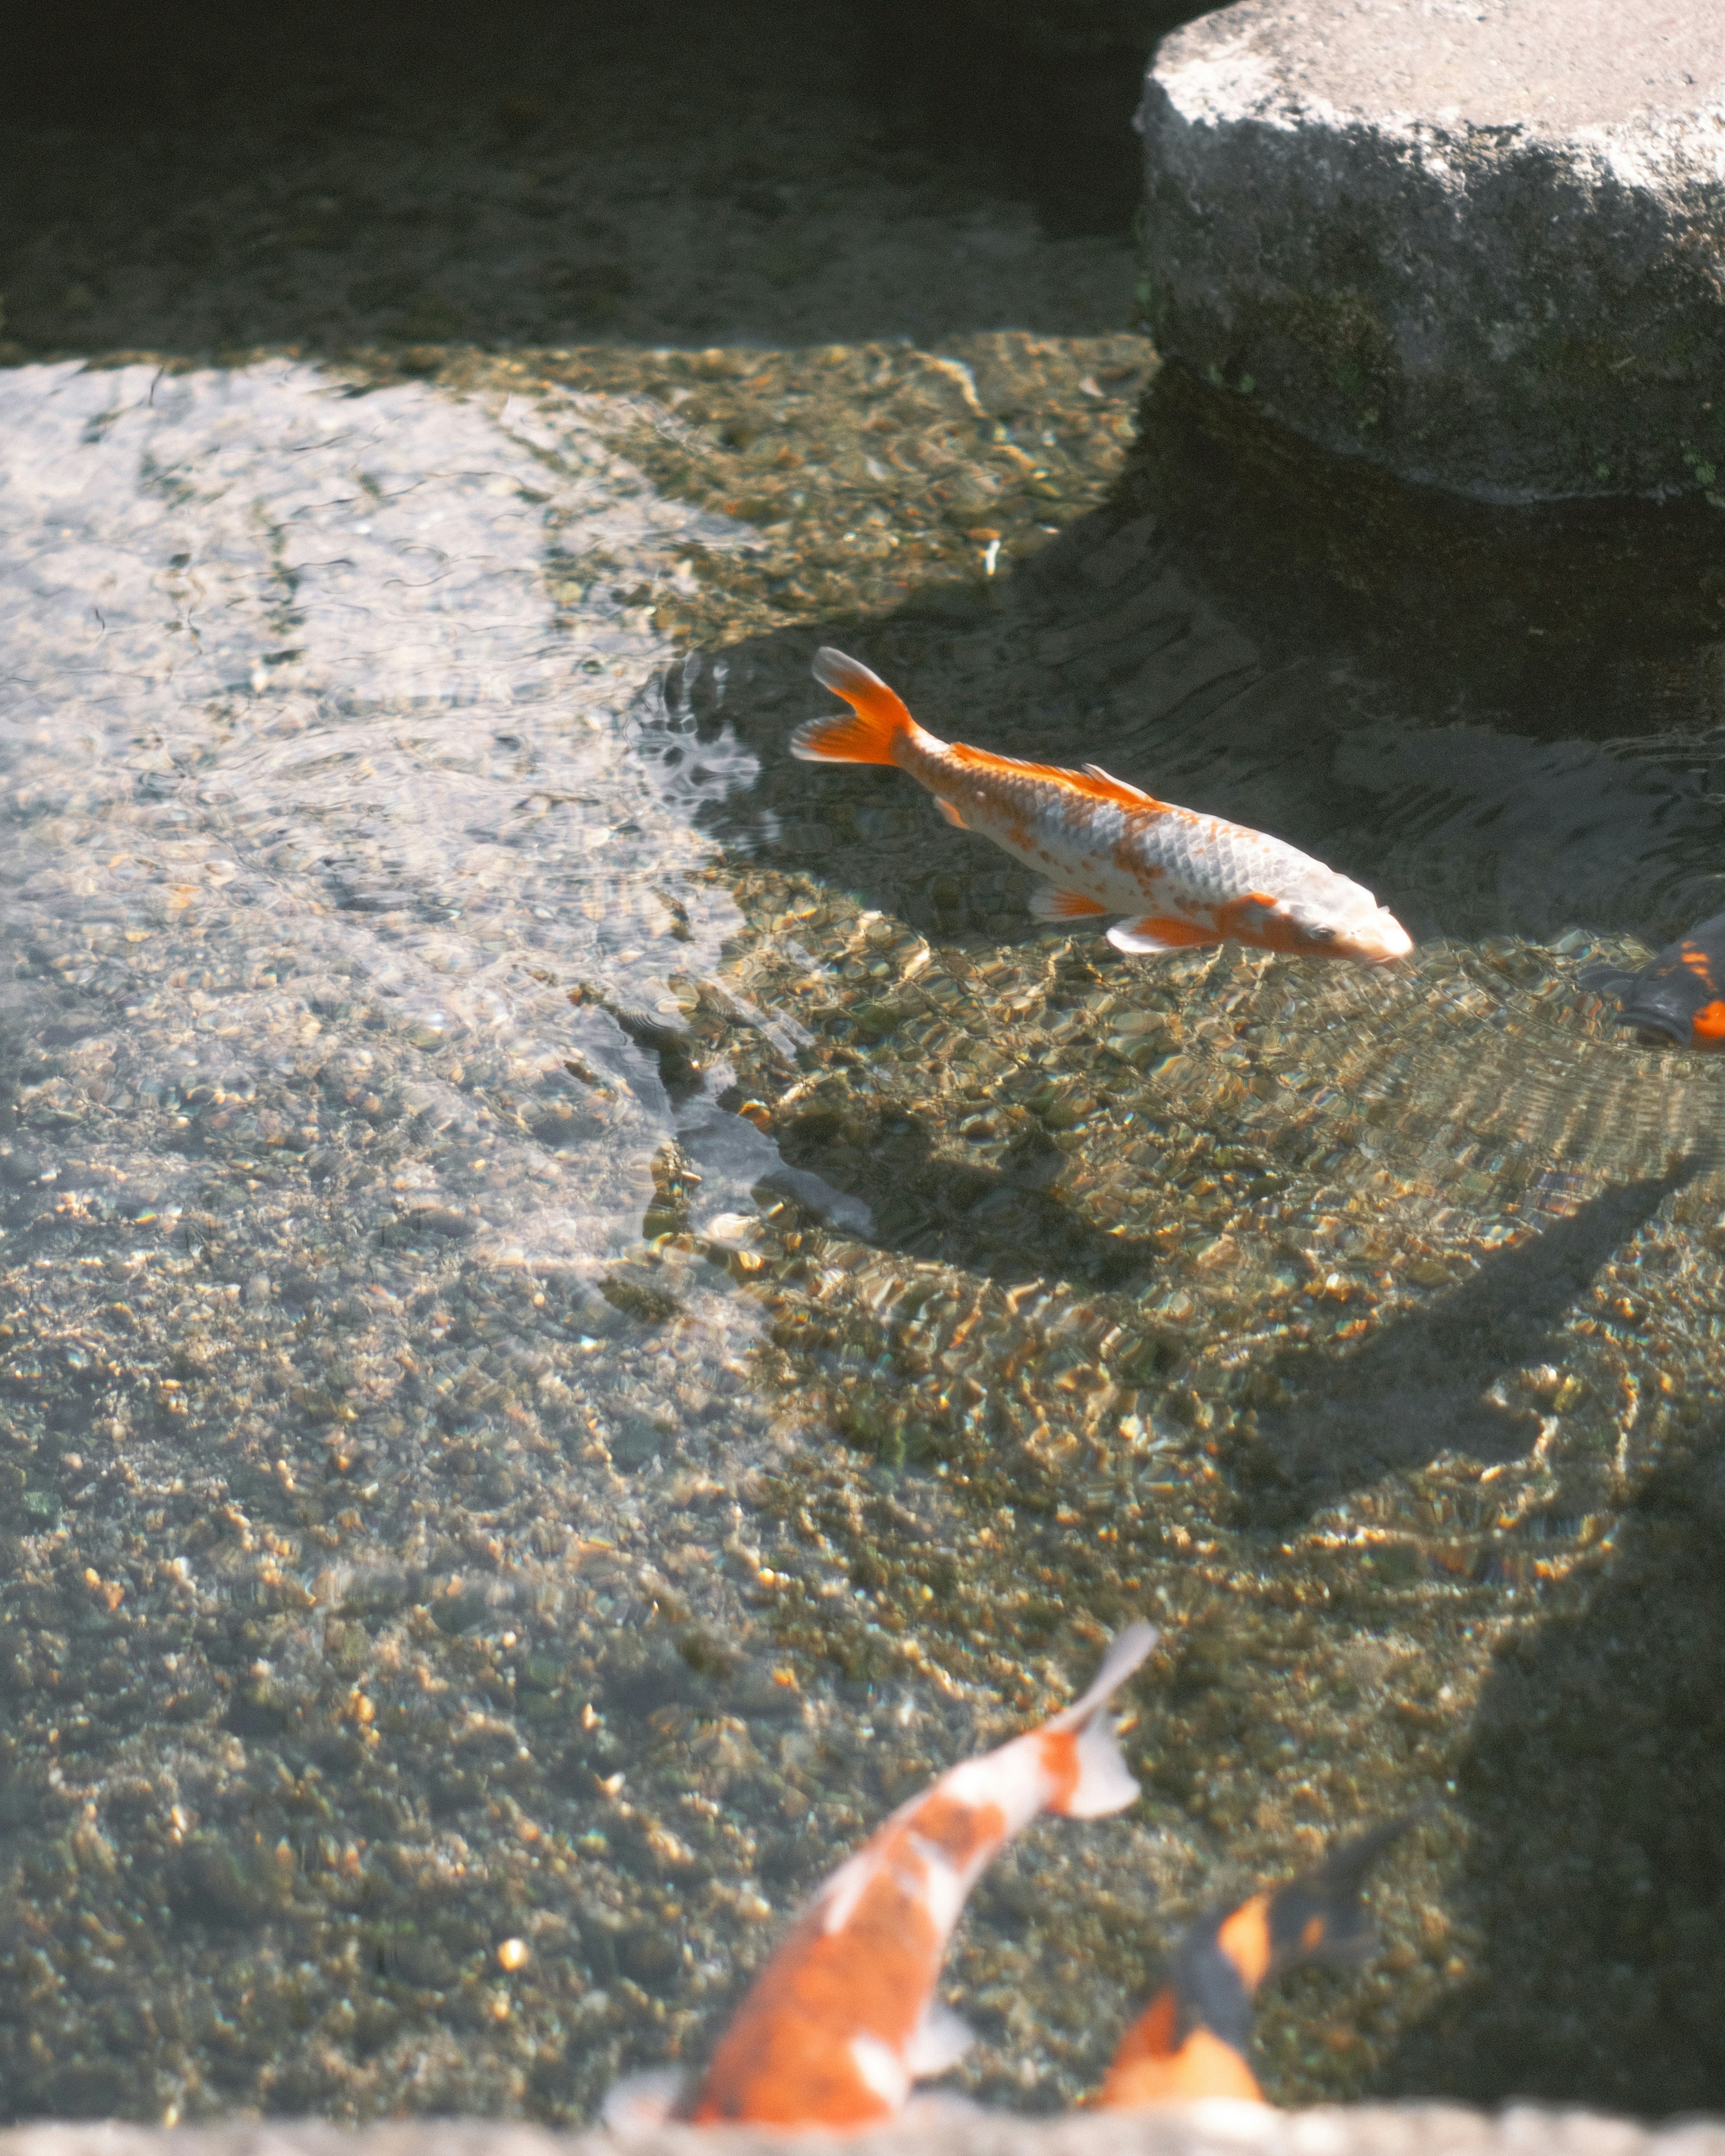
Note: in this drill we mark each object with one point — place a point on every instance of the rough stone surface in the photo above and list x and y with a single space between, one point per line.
1216 2129
1482 244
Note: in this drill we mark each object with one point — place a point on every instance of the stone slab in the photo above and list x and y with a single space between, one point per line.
1215 2128
1482 244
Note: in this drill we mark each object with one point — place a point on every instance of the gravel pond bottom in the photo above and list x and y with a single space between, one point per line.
582 1306
586 1306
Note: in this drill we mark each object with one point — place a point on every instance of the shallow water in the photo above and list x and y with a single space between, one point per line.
585 1305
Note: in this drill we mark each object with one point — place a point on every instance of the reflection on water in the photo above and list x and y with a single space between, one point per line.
587 1305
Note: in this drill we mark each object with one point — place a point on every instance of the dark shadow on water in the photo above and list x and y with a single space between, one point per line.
198 180
1420 1387
1587 619
1593 1785
1005 1220
1042 93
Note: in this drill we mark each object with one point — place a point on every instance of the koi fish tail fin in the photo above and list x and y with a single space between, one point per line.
869 732
1097 1780
1320 1916
639 2104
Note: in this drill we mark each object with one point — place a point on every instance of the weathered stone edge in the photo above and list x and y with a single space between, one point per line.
1386 290
1204 2129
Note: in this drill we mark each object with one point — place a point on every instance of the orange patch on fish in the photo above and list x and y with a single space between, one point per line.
1103 842
1245 1938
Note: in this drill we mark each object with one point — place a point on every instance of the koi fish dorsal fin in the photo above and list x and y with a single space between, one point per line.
869 732
1125 786
1091 782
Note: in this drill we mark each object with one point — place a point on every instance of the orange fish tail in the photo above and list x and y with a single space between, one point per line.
869 732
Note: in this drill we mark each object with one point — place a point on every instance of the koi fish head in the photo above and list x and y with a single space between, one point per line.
1331 919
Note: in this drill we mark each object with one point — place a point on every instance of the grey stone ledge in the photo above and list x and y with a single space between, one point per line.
1202 2129
1478 242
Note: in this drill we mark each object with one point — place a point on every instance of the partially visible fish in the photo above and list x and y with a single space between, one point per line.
1180 879
1193 2039
1678 996
844 2018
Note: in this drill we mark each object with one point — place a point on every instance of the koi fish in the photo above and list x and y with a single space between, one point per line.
1678 997
1193 2039
1181 879
844 2018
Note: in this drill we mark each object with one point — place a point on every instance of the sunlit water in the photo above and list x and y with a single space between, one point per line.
585 1304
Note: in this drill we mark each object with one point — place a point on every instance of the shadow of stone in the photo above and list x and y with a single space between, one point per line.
1576 618
1003 1220
1042 93
1591 1903
1421 1387
402 177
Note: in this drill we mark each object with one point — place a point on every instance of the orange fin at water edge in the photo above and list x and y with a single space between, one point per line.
1050 902
951 814
1158 932
869 732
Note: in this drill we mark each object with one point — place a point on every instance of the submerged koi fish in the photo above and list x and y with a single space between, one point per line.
844 2018
1193 2039
1181 879
1678 996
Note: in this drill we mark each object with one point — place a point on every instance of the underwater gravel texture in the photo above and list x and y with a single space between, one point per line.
584 1306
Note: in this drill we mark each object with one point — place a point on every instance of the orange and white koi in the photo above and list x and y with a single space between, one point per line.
1181 880
844 2018
1193 2039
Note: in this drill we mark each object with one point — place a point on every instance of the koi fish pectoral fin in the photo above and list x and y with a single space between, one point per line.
1606 980
1159 932
950 812
1050 901
641 2103
941 2040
